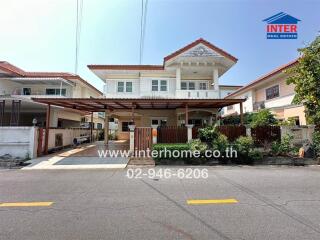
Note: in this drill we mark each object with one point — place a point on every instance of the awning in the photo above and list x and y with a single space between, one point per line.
102 104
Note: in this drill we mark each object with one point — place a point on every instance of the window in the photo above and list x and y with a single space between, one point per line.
154 85
120 86
26 91
188 85
125 127
203 86
183 85
99 125
128 86
163 85
192 86
56 91
159 121
272 92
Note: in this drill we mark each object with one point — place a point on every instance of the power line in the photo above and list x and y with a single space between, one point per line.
143 21
78 32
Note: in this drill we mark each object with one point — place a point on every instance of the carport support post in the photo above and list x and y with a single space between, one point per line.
46 140
187 116
189 129
241 113
131 128
91 128
106 127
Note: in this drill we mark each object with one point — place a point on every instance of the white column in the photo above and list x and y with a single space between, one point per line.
131 128
215 78
154 133
189 128
106 127
178 78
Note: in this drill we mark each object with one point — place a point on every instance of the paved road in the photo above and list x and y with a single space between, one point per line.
273 203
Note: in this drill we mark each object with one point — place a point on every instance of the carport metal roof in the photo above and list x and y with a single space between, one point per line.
102 104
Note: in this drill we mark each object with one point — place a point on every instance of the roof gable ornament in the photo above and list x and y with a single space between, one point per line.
200 51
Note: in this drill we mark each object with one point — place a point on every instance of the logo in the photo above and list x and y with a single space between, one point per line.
282 26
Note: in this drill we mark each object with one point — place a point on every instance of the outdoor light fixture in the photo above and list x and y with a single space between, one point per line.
34 121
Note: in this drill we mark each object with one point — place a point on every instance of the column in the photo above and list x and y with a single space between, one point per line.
189 129
46 140
154 134
215 78
106 127
131 128
241 113
91 128
187 116
178 78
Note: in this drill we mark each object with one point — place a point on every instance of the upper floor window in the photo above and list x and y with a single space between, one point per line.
272 92
56 91
161 85
124 86
26 91
203 86
188 85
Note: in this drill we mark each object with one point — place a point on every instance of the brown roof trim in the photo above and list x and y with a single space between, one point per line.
6 66
265 77
234 86
204 42
126 67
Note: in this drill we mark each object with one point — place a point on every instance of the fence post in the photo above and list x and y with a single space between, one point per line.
154 134
189 129
131 128
248 131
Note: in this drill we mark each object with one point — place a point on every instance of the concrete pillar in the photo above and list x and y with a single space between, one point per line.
178 78
189 129
215 78
241 113
131 128
154 134
106 127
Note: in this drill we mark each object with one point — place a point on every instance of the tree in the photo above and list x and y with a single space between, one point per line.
306 77
263 118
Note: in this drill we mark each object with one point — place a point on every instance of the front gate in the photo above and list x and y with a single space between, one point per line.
142 138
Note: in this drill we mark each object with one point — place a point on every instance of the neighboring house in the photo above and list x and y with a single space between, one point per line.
269 91
191 72
18 87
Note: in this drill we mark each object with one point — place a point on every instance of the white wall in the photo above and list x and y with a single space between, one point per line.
18 141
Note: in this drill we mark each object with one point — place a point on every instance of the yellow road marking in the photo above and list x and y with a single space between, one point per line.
211 201
26 204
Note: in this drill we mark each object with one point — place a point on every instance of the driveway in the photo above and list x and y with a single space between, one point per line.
272 203
87 156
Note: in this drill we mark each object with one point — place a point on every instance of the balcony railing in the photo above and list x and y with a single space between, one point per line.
197 94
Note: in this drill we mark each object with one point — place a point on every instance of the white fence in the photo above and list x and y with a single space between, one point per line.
18 141
301 134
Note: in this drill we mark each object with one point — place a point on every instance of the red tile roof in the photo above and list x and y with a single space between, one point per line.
265 77
161 67
6 66
204 42
126 67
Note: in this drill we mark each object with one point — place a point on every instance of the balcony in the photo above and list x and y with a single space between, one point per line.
201 94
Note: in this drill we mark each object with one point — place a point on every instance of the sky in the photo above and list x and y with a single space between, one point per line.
39 35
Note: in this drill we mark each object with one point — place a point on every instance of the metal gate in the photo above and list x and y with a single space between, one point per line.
142 138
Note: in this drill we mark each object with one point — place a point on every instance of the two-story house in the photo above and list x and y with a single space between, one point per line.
270 91
18 87
191 72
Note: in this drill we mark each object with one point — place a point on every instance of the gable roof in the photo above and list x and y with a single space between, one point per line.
281 18
204 42
6 66
172 55
264 77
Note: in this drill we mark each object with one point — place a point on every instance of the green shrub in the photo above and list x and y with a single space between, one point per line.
263 118
208 134
244 145
197 145
255 155
169 148
284 147
220 143
316 143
